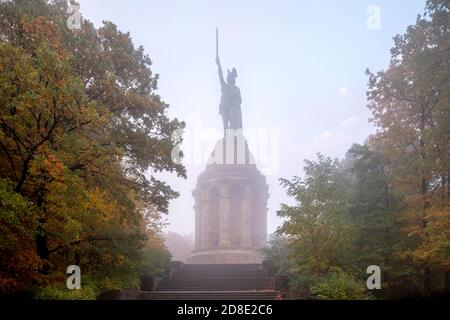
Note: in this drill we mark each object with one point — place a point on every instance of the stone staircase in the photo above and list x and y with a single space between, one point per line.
213 282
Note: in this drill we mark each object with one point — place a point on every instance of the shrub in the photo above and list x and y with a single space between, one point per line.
339 286
62 293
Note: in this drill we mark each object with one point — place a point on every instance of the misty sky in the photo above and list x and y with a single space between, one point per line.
301 71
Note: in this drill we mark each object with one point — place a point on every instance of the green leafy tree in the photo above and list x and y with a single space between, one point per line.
277 254
319 234
374 207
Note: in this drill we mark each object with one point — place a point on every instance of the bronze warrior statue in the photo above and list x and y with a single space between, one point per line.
230 103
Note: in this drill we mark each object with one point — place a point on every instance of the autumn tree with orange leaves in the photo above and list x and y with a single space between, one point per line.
410 102
82 133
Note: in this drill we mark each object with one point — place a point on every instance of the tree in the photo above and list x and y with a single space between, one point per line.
276 253
318 232
82 134
16 221
373 207
371 204
410 106
345 220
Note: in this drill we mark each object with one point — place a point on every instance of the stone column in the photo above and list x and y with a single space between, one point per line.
225 211
246 215
204 220
259 216
195 193
263 196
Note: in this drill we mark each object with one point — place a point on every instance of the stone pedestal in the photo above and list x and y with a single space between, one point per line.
230 207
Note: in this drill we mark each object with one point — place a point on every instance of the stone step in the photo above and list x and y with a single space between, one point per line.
222 267
221 274
201 295
216 284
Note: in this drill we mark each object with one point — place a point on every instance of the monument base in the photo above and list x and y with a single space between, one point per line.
226 256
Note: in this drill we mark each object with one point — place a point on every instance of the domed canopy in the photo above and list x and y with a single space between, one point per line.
232 158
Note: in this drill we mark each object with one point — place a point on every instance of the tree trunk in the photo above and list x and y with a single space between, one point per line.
42 249
447 281
427 281
426 203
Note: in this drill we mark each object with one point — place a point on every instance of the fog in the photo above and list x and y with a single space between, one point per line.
300 71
